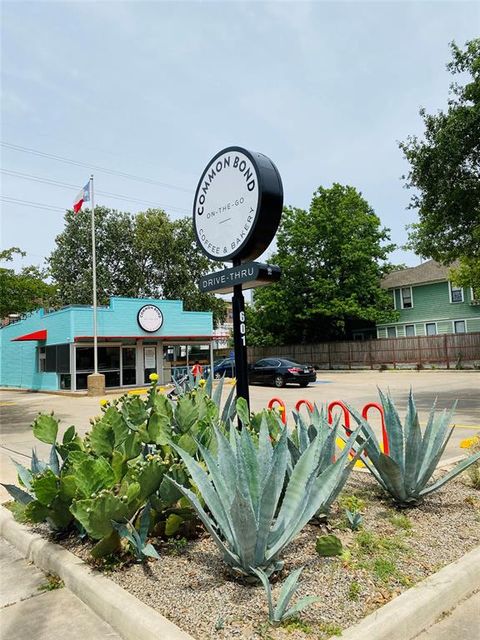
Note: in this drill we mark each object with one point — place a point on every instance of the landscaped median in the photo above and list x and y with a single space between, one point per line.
187 594
204 530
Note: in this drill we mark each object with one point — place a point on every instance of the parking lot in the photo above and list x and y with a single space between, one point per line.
19 408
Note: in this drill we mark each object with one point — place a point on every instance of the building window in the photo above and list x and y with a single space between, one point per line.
391 332
41 359
108 364
459 326
410 330
394 300
406 293
456 293
431 328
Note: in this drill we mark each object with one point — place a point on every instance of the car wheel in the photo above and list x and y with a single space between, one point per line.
304 384
279 381
218 375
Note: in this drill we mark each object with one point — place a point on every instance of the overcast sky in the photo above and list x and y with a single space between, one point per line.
155 89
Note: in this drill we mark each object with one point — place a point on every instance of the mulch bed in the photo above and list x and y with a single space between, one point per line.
191 585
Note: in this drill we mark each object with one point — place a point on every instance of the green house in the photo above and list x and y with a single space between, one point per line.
429 304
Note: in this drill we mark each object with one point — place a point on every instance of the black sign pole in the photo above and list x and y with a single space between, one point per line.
239 341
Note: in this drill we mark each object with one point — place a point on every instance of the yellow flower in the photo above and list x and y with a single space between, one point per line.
470 442
153 377
202 383
103 402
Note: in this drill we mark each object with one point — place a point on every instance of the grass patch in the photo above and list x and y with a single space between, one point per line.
400 520
379 555
354 591
53 582
329 629
351 502
295 624
384 568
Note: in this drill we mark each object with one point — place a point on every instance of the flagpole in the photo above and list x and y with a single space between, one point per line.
94 278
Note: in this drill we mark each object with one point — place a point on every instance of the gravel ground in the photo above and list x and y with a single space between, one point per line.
392 551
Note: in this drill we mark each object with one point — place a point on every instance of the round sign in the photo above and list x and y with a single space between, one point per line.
238 205
150 318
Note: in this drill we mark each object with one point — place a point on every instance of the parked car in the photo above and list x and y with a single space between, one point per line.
224 367
279 372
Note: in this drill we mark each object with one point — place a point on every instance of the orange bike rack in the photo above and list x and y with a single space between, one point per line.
375 405
308 404
346 414
282 408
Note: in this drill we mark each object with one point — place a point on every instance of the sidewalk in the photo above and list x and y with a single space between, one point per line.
463 623
27 612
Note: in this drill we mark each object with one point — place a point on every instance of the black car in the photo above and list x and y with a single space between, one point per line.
225 367
279 372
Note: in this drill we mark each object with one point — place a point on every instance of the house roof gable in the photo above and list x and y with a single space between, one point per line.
430 271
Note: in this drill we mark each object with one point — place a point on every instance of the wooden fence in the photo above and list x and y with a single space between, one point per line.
449 350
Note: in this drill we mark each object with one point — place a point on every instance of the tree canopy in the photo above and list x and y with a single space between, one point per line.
147 255
445 170
23 291
332 259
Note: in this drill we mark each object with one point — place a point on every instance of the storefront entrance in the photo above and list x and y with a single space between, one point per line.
129 366
149 361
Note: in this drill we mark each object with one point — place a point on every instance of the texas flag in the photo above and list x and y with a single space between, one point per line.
83 196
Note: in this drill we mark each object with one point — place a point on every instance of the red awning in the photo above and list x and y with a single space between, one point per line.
36 335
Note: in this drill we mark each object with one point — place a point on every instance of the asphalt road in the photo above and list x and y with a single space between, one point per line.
19 408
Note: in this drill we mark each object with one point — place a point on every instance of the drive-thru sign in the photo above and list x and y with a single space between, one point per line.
236 212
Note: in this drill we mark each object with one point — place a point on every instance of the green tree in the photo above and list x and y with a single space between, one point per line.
467 274
137 256
332 259
118 270
23 291
445 170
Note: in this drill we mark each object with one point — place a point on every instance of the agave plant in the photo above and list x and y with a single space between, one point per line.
302 436
279 613
254 512
354 519
138 539
414 456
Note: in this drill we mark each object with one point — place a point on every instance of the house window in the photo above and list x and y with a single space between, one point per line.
456 293
391 332
394 301
42 356
409 330
459 326
431 328
406 293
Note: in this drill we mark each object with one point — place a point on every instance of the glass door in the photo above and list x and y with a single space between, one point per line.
149 361
129 362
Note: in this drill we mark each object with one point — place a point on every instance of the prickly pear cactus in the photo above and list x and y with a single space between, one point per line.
327 546
96 513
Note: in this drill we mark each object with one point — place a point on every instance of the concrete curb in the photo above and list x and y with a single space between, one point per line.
130 618
401 619
407 615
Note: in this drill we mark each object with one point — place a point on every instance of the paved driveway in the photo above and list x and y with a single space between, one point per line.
18 409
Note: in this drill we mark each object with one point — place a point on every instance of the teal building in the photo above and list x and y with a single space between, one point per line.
429 304
53 350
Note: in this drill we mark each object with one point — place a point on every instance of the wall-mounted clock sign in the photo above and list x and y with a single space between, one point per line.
150 318
238 205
